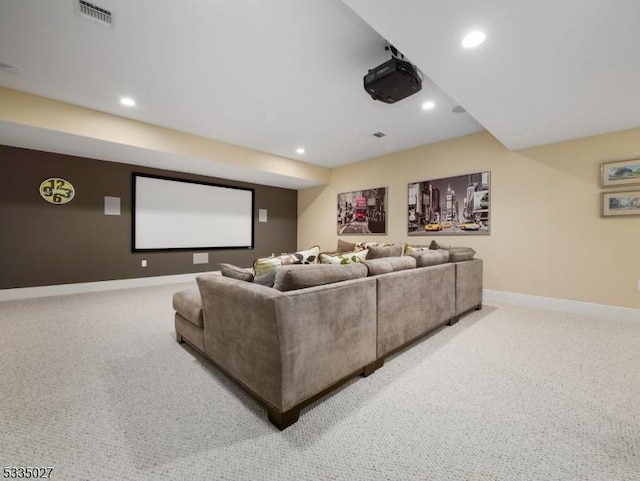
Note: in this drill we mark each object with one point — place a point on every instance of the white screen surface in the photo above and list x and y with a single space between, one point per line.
174 214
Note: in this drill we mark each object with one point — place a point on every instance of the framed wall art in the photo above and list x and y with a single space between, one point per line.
620 173
363 212
626 202
451 206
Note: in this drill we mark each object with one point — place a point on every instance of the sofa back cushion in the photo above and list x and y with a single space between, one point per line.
290 278
389 264
390 250
458 254
430 257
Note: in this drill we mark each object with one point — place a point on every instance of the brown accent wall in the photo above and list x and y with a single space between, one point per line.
46 244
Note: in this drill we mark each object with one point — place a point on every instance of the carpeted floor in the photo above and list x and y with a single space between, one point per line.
95 386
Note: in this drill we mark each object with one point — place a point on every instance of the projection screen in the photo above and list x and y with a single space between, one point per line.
175 214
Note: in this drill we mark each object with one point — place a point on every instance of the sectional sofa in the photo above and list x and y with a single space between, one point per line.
320 325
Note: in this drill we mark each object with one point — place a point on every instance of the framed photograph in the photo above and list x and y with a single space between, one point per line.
626 202
363 212
451 206
620 173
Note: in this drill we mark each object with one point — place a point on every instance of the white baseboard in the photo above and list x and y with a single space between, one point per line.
62 289
563 305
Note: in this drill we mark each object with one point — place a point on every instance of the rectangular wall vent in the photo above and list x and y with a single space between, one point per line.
93 12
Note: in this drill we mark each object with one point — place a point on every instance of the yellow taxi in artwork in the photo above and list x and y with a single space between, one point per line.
470 225
433 226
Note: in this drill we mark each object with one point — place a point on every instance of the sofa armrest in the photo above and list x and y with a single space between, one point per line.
287 346
326 333
468 285
412 303
241 333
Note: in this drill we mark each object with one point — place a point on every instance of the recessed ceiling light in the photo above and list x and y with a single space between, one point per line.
428 105
300 150
128 101
473 39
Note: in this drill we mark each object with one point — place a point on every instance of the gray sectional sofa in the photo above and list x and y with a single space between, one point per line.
322 324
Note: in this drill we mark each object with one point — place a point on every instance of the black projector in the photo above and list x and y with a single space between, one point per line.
392 81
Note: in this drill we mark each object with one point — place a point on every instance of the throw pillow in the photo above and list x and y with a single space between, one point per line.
436 245
409 249
262 265
289 278
235 272
389 250
344 246
344 258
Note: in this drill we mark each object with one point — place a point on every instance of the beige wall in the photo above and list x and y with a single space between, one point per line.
547 237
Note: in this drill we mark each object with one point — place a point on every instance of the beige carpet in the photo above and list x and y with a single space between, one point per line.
96 386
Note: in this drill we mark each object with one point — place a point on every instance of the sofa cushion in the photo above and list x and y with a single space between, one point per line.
344 258
267 279
458 254
389 250
389 264
431 257
188 304
235 272
262 265
290 278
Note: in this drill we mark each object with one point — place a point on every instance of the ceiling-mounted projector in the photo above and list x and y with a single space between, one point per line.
393 80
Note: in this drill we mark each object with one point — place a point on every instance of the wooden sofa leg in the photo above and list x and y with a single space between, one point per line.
479 307
179 338
371 368
285 419
453 320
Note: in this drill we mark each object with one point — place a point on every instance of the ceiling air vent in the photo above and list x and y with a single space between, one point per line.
94 12
378 134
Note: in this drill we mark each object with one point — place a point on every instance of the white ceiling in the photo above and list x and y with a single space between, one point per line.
550 70
273 75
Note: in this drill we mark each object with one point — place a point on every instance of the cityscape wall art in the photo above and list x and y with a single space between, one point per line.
459 205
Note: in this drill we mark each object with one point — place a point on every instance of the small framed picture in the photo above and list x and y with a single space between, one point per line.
626 202
620 173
